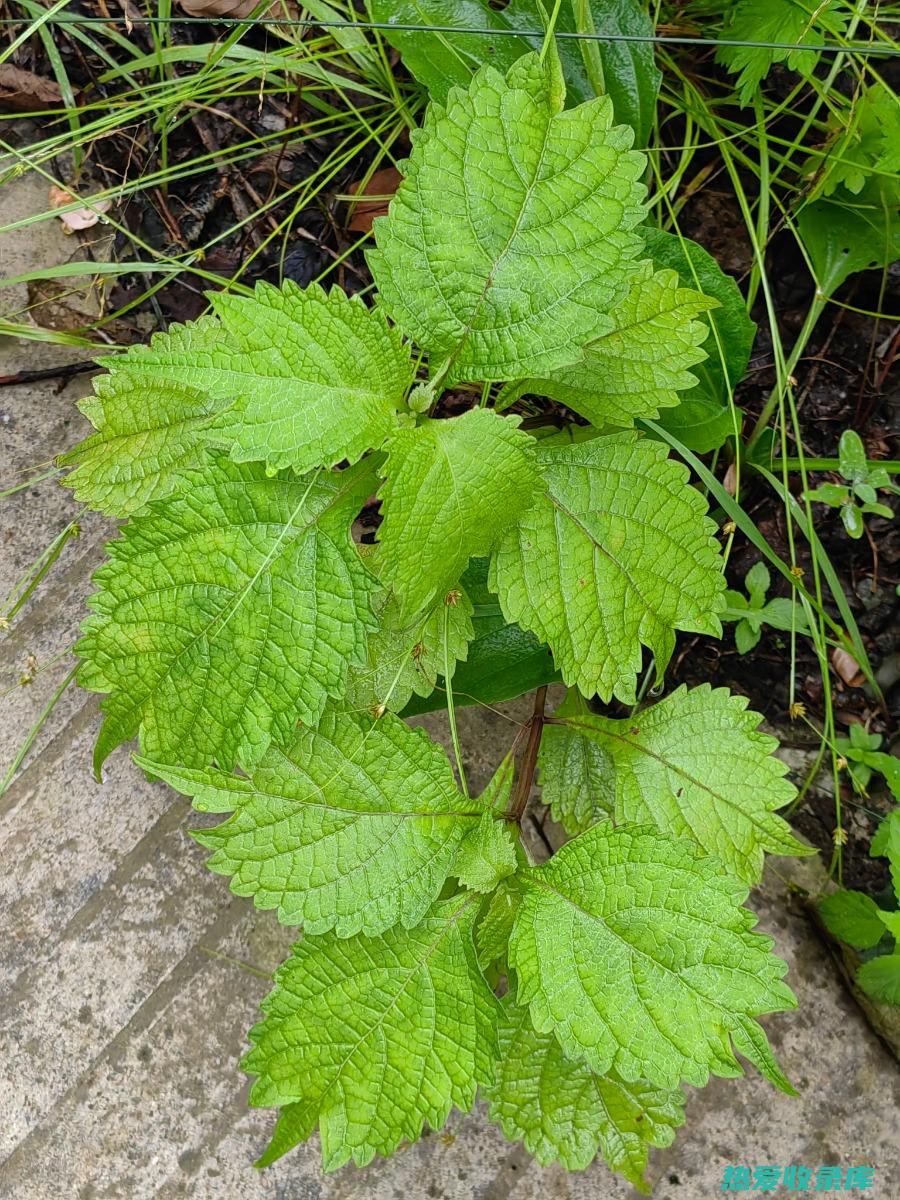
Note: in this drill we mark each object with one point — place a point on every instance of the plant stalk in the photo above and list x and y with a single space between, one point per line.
529 762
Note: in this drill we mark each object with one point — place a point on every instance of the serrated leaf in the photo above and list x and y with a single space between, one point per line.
854 918
880 978
227 613
696 766
573 770
353 827
487 853
315 377
145 437
703 419
798 24
406 655
616 553
410 1033
512 232
565 1112
640 364
886 842
452 487
635 951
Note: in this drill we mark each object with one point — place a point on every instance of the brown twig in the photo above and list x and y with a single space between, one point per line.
529 760
61 372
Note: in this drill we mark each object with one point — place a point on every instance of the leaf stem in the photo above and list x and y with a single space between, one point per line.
451 707
529 762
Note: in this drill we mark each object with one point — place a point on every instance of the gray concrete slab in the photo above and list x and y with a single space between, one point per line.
123 967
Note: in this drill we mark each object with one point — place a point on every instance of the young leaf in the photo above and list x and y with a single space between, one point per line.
369 1038
227 613
565 1112
487 853
696 766
513 231
633 949
495 925
352 827
575 772
145 437
405 655
616 553
640 364
315 377
503 661
854 918
452 487
880 978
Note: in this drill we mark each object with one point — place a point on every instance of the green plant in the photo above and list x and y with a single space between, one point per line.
863 754
856 919
860 494
238 624
753 610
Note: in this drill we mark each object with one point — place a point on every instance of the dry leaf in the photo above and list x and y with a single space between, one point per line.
218 8
847 668
729 483
383 183
26 92
78 218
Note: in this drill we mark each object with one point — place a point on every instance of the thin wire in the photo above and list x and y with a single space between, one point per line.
657 39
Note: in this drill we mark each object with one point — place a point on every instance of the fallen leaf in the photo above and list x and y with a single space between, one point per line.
382 184
78 218
847 668
25 91
218 8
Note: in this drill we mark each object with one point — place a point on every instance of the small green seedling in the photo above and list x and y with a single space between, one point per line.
859 496
863 754
856 919
753 610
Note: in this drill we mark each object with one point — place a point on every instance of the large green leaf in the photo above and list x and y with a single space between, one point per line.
565 1112
452 487
639 365
696 766
369 1038
145 437
315 377
634 949
443 59
352 827
703 419
513 232
227 613
616 553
